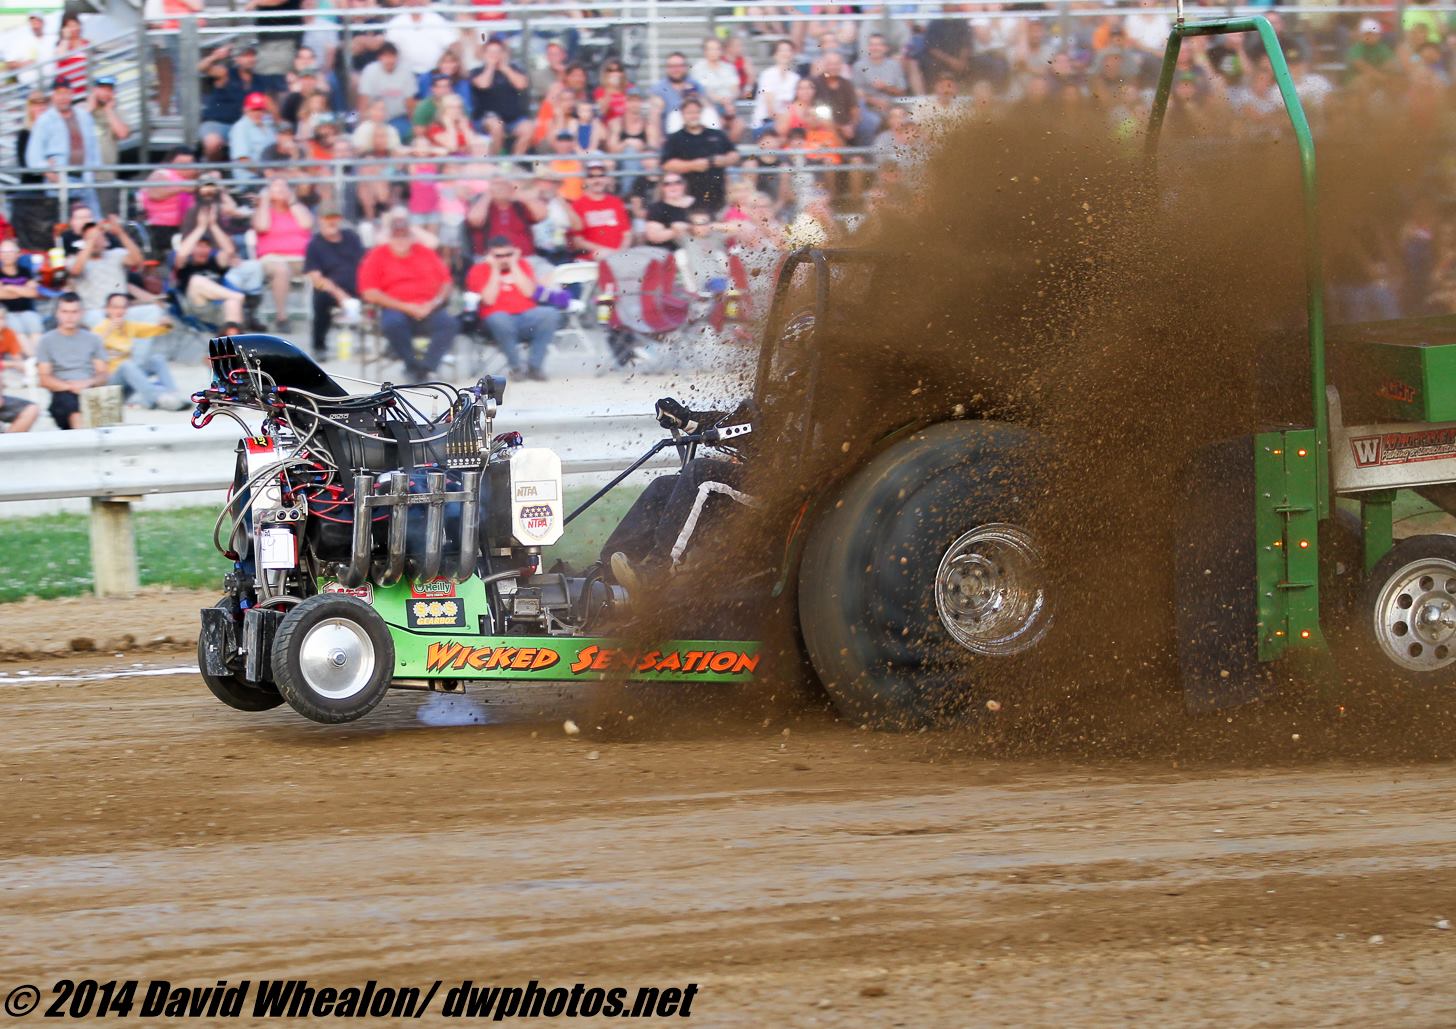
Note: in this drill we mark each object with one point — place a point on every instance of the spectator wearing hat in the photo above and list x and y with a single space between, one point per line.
410 285
504 211
564 166
331 263
512 307
231 78
251 135
213 203
65 135
701 155
387 81
1369 59
102 265
602 225
70 361
111 130
498 98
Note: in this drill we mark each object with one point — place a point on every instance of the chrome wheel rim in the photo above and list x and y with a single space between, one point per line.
990 591
337 658
1415 615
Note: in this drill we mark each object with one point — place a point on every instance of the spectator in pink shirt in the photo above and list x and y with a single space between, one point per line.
283 226
165 206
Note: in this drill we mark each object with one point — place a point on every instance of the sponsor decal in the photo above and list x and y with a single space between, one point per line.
543 489
723 662
441 656
591 661
255 444
435 614
1392 448
364 592
433 588
1398 391
536 520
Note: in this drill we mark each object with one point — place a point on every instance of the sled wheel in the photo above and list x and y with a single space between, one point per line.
1409 608
1216 581
922 584
233 691
333 658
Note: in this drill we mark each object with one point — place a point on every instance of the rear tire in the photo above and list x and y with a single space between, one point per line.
333 658
921 586
1215 572
233 691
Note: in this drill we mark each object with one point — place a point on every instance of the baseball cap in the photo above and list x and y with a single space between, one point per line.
563 134
439 76
1369 25
596 166
330 209
255 102
62 84
105 80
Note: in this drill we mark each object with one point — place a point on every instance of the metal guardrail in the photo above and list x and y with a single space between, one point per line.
140 460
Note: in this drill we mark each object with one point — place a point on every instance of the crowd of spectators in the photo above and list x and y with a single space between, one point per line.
416 161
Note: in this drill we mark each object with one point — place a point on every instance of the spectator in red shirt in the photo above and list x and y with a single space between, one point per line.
410 285
510 309
602 222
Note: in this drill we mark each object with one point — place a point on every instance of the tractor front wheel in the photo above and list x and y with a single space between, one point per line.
333 658
1410 610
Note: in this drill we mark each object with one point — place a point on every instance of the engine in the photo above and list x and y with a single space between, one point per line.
343 491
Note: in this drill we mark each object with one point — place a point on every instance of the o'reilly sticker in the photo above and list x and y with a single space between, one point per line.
433 588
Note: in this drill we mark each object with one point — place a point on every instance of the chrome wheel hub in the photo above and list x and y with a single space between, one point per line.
1415 615
989 591
337 658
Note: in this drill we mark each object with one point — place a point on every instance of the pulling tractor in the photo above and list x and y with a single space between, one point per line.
374 547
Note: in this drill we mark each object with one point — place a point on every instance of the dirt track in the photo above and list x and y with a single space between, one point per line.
826 877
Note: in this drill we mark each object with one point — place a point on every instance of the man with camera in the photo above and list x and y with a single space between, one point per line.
515 307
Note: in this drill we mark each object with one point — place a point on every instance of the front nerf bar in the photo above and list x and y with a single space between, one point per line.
398 500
